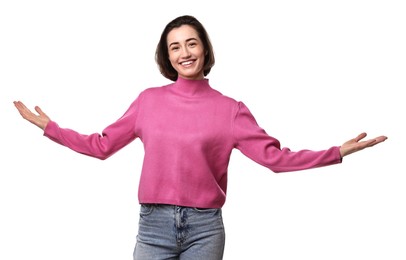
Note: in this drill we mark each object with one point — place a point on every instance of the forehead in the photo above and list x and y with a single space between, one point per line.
182 34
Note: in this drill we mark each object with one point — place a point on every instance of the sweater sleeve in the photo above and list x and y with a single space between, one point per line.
101 146
257 145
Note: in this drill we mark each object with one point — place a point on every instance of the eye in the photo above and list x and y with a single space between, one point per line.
174 48
192 44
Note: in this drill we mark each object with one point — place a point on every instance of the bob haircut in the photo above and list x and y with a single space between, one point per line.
162 53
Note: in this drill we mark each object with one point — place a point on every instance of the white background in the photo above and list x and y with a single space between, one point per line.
313 73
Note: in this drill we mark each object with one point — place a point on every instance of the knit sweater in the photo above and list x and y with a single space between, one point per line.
188 131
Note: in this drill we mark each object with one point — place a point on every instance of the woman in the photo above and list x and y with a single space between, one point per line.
188 131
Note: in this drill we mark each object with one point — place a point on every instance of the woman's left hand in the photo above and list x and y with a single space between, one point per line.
355 144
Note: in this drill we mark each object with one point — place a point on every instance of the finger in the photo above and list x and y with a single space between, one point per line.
22 108
379 139
382 138
369 143
19 105
39 110
24 111
360 137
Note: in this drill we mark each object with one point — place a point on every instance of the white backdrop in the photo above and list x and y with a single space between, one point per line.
313 73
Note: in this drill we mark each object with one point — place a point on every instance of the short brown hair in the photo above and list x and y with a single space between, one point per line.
162 53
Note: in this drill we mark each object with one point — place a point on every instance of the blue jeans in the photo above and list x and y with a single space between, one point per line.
183 233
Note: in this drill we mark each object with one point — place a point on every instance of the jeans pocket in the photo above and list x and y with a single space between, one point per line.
208 211
205 210
146 209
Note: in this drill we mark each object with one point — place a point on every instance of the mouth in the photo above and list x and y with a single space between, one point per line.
187 63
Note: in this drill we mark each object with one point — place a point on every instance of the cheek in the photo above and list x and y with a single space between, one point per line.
202 54
172 59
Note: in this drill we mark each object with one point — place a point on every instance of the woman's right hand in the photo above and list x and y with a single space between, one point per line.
41 120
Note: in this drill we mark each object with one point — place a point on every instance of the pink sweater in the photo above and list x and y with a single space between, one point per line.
188 131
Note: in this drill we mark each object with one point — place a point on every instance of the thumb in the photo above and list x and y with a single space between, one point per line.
39 110
42 114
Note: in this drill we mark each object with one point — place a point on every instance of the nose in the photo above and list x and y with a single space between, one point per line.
185 52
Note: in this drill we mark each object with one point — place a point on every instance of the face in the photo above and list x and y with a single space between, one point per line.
186 52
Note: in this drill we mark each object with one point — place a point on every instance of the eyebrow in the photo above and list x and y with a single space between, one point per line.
187 40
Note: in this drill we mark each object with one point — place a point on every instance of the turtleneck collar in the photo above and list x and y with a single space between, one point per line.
191 88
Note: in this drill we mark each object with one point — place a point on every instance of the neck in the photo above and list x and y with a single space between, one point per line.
191 87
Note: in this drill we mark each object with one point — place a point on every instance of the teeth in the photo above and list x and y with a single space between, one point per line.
186 62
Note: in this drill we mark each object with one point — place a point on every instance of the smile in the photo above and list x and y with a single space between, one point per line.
185 63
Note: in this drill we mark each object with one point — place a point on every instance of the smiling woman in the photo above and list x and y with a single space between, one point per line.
186 52
188 130
184 40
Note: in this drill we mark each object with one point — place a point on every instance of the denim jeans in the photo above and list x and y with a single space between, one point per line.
183 233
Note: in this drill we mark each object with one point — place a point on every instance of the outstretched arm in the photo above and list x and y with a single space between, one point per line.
266 150
113 137
355 144
41 120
